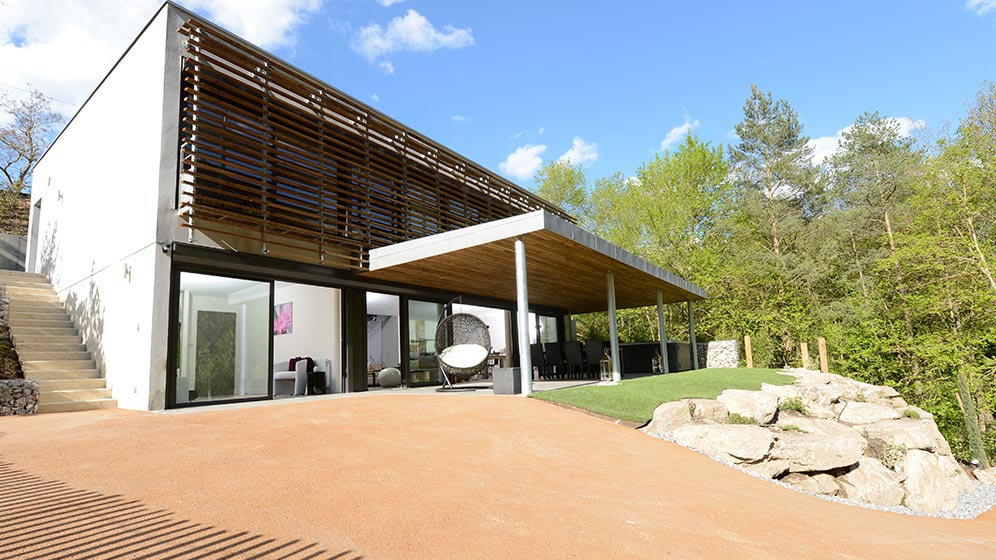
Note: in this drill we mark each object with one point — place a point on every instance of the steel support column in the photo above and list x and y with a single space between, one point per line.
665 368
522 317
613 329
691 337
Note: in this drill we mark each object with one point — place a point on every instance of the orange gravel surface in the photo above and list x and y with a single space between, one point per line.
414 476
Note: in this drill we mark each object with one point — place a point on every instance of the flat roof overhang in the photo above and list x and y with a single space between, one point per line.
566 266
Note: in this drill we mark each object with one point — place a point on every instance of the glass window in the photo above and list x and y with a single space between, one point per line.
223 347
423 316
542 327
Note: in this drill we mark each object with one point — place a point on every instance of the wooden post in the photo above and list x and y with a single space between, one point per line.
747 351
824 367
804 348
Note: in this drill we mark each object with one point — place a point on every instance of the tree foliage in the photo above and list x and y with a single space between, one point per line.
887 249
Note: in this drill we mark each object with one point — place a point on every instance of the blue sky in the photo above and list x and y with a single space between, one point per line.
610 80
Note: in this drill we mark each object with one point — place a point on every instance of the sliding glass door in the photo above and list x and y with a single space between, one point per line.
223 342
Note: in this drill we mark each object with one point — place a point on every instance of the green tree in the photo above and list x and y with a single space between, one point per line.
564 185
777 192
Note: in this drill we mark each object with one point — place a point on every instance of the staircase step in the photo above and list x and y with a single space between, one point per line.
36 356
60 374
56 365
28 288
73 395
41 308
29 347
22 298
19 283
28 291
18 318
21 275
70 384
71 337
75 406
56 324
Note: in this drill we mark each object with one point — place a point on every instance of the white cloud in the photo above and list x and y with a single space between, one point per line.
459 118
824 147
64 48
678 133
389 3
517 135
387 67
374 97
523 162
267 23
413 32
981 7
908 125
541 130
581 152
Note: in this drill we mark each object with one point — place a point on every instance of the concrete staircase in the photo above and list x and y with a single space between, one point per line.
50 347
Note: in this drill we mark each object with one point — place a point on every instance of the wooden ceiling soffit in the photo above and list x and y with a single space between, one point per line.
566 266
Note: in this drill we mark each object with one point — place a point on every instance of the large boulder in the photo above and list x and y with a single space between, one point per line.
817 452
783 391
940 444
768 469
986 476
815 484
708 410
667 417
933 482
807 378
864 412
911 434
873 483
820 426
729 442
760 406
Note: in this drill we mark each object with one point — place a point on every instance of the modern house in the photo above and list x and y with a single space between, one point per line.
212 212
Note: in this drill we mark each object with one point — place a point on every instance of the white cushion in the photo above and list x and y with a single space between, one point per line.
464 355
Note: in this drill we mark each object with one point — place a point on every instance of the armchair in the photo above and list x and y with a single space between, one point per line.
299 376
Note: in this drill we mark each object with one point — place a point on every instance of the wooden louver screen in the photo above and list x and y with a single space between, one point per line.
275 161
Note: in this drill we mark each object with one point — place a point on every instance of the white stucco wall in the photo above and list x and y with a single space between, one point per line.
100 187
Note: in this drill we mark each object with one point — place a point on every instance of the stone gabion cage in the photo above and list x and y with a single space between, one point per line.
18 397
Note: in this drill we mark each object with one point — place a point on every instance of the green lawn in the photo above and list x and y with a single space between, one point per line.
635 399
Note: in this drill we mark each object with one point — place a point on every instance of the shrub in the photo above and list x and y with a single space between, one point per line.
735 418
794 428
910 413
792 404
891 455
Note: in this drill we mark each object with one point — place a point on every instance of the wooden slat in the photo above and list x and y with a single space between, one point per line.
289 158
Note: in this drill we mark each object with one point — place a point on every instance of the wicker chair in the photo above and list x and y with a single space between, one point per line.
466 345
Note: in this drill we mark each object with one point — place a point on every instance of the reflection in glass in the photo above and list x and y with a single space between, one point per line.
223 344
423 369
545 326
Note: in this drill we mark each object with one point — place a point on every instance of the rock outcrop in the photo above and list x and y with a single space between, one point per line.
825 434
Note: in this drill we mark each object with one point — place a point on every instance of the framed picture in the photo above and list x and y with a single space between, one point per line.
283 318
